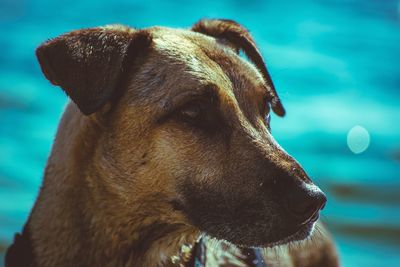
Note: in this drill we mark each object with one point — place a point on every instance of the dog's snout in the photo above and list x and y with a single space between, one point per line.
304 202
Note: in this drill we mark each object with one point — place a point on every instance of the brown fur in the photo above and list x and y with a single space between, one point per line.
125 182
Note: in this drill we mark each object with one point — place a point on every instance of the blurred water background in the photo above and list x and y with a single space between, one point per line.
335 64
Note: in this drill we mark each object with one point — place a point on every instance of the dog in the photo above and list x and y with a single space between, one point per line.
165 152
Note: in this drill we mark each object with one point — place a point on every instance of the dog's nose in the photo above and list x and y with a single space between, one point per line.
305 202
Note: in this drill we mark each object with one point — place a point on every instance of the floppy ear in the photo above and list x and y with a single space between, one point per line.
241 39
89 64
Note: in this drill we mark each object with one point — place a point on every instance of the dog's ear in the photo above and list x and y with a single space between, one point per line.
89 64
240 38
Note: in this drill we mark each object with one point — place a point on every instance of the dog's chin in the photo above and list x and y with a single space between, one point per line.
299 234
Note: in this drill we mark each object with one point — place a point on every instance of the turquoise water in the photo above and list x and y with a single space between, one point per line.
334 62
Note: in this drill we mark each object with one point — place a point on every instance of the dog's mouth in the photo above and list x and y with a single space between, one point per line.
301 233
298 233
294 234
249 225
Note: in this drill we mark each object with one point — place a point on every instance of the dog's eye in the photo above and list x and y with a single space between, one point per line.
200 114
267 119
191 111
265 112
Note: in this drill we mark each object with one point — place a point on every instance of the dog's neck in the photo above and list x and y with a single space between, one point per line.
70 227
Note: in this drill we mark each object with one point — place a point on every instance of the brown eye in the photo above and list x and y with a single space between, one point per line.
267 120
265 112
191 111
200 114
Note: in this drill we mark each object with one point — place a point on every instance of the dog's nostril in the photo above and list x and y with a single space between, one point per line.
304 204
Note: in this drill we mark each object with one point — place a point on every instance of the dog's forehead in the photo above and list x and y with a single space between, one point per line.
191 47
181 48
200 59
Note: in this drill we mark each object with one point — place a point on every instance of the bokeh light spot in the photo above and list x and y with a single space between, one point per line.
358 139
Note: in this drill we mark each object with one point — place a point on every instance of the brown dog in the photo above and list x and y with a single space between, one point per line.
167 139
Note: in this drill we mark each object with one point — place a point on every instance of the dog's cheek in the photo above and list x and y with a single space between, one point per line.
185 153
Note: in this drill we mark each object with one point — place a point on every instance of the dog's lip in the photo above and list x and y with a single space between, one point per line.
301 233
312 219
315 217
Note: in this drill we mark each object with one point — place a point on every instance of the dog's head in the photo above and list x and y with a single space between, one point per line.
185 134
